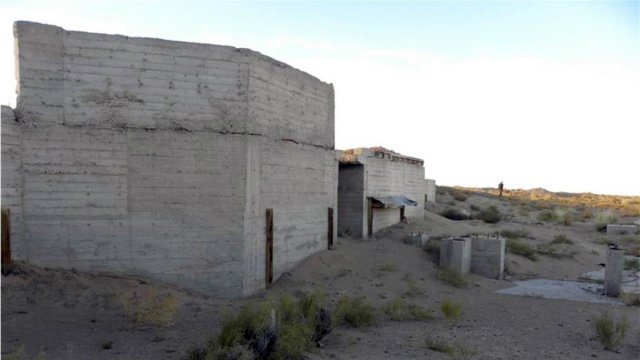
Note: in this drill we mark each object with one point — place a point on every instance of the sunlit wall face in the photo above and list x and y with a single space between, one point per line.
538 94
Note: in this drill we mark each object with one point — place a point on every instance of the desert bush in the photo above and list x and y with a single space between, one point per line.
555 251
399 310
562 239
515 234
603 218
567 218
459 195
18 353
631 299
632 264
412 289
610 332
514 246
388 267
453 214
452 278
451 310
438 345
490 215
357 312
151 308
548 216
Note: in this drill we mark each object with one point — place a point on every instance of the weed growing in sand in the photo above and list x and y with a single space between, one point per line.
515 234
455 351
603 218
557 252
399 310
357 312
514 246
413 290
388 267
451 310
490 215
632 264
562 239
631 299
452 278
610 332
18 353
149 309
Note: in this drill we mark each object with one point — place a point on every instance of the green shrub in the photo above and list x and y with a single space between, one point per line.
632 264
438 345
515 247
399 310
459 195
453 214
294 340
451 310
548 216
603 218
562 239
555 251
610 332
357 312
452 278
515 234
413 289
490 215
240 329
388 267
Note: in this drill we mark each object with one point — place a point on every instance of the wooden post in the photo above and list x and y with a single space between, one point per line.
269 248
369 217
330 229
6 242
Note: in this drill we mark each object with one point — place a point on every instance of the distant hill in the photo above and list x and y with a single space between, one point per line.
627 205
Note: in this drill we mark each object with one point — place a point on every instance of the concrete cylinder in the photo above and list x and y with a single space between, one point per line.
613 271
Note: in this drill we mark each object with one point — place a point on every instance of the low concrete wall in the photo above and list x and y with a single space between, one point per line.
487 256
455 254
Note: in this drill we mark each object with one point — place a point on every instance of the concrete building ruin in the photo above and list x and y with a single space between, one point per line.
207 166
376 188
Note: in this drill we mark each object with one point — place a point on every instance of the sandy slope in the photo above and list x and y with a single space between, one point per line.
68 315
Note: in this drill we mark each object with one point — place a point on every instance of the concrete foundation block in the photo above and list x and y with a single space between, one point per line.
487 256
455 254
614 229
416 239
613 271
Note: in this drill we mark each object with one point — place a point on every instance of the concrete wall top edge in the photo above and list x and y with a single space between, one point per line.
22 25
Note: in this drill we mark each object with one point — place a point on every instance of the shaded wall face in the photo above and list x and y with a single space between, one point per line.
430 190
352 215
390 178
160 157
12 180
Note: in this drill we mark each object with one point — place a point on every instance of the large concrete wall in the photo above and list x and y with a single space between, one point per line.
160 157
12 179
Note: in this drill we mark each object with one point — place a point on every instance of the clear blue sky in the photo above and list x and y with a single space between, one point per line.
534 93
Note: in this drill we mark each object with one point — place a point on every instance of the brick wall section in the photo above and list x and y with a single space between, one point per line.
12 183
159 157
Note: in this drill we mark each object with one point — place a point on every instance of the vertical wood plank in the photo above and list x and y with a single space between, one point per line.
330 229
269 248
369 217
6 242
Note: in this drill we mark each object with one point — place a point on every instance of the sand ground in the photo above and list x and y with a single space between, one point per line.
70 315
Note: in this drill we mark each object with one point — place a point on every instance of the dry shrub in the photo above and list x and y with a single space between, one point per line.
151 308
451 310
452 278
357 312
610 331
514 246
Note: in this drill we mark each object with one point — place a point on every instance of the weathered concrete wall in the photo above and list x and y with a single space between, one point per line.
455 254
352 217
160 157
383 177
12 183
487 256
430 190
299 183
